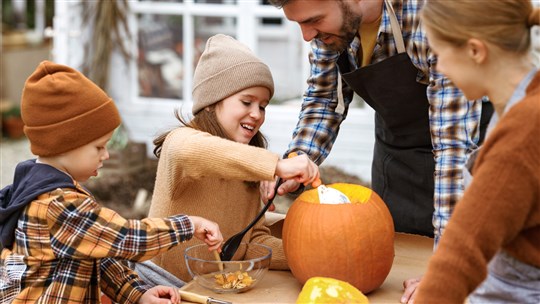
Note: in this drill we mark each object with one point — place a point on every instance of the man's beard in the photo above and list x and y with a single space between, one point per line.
347 32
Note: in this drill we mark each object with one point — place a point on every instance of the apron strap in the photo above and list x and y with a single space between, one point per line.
400 45
340 108
396 31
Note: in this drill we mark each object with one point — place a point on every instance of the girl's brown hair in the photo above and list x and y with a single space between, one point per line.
206 121
504 23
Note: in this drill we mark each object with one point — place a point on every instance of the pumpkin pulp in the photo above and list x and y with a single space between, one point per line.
357 195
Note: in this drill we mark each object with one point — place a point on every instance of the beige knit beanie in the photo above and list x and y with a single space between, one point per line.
63 110
226 67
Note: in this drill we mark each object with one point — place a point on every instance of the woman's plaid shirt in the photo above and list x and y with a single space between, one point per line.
73 248
453 120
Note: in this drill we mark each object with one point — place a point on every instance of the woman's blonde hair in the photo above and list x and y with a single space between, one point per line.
504 23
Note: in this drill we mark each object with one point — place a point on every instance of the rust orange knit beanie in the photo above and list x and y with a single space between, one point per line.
227 67
63 110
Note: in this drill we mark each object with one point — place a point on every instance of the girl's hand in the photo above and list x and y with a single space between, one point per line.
298 168
266 188
288 187
208 232
160 294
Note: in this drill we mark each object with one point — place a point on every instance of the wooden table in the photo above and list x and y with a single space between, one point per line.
412 255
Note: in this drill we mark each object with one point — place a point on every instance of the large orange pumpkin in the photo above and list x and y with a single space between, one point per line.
352 242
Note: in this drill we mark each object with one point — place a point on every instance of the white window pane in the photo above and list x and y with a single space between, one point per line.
160 60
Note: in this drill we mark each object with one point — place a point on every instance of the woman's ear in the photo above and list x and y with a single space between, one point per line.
477 50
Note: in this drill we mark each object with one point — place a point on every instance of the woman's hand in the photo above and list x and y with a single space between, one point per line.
208 232
160 294
410 286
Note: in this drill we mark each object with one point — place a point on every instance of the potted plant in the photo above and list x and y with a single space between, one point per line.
12 123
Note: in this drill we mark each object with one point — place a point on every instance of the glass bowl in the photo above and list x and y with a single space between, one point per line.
228 276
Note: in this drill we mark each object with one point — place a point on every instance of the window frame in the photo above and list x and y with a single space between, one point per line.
247 30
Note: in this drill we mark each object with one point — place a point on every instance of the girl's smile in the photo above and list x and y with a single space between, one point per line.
242 114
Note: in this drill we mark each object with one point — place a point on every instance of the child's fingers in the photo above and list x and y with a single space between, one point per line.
313 178
267 190
213 240
212 245
288 186
166 294
174 295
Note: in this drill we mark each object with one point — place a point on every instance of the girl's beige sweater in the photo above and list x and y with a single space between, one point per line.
204 175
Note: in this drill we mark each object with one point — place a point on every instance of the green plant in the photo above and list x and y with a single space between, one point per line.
12 123
12 19
13 111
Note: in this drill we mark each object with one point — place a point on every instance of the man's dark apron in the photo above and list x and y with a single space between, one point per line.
403 161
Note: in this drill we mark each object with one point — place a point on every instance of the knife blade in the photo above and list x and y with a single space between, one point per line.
196 298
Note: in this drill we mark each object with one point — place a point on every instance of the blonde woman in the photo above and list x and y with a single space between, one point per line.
490 251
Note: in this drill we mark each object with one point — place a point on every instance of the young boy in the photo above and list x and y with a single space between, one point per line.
58 244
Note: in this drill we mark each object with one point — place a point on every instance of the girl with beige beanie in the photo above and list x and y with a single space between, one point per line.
211 166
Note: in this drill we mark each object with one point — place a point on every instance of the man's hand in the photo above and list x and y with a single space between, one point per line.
410 286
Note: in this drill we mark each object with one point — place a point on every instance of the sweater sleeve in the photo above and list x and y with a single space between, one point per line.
82 229
261 234
197 154
495 208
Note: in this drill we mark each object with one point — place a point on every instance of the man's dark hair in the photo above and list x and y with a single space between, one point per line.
278 3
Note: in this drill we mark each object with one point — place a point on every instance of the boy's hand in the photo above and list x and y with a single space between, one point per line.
208 232
160 294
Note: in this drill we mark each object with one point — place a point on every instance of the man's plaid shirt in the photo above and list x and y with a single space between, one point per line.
454 121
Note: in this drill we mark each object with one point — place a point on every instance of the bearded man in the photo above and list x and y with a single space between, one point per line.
424 127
